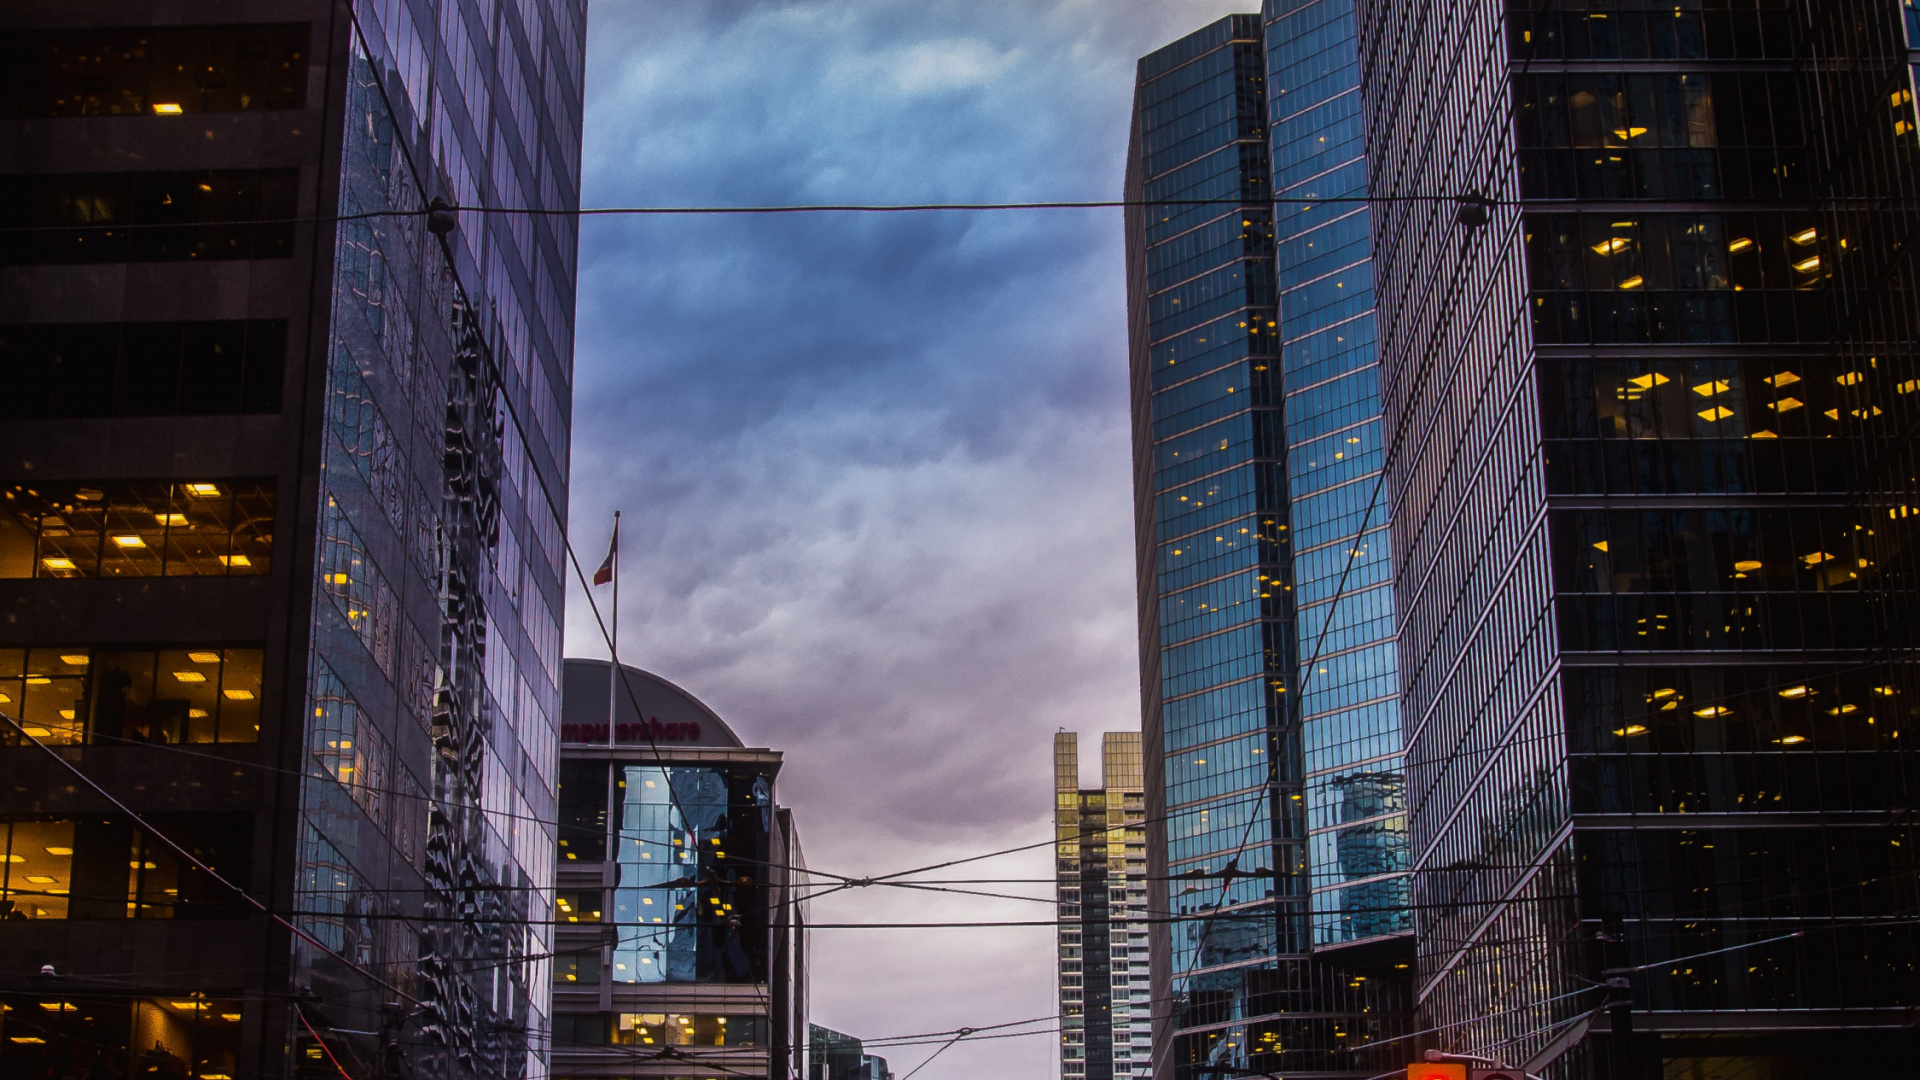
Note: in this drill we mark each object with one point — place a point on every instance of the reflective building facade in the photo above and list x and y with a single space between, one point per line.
1235 983
680 949
1656 611
1100 864
282 484
1342 567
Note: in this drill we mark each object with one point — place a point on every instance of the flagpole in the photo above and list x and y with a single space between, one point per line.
613 668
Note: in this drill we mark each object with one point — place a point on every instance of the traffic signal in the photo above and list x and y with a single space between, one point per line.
1437 1070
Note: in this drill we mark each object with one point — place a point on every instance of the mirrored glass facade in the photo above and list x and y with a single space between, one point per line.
1657 610
284 478
1342 565
1100 873
678 912
1227 811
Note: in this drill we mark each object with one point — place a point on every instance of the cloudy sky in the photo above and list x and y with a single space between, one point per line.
874 469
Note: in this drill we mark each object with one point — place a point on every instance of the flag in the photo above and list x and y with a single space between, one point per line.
605 573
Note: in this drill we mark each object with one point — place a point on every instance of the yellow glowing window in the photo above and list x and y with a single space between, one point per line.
1786 404
1885 691
75 659
238 695
167 108
1816 558
1627 134
1805 236
1793 740
1610 245
1763 434
1797 692
203 491
1908 387
1601 546
1633 282
59 850
1708 389
1648 382
236 560
204 657
1863 414
1712 711
1747 566
189 676
1850 378
1631 729
1783 378
1808 265
129 541
1740 245
1842 710
1715 414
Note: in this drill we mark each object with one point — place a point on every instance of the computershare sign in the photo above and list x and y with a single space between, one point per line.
639 731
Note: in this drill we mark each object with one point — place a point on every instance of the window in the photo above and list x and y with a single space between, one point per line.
126 528
147 217
687 1029
99 370
83 1032
106 867
577 907
153 71
75 694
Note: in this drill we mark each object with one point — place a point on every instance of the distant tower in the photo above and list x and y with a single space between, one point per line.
1100 853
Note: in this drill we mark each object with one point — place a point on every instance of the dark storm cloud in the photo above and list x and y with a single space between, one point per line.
875 468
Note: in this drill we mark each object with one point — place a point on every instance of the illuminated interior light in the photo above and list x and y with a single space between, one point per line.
1791 740
1628 134
1798 692
197 714
1885 691
1739 245
1763 434
167 108
1648 382
1785 404
38 680
203 491
1715 414
57 850
1712 387
1865 414
1633 282
129 541
1747 566
74 659
189 676
236 560
1631 729
1600 546
1849 378
238 695
1782 378
1805 236
1610 245
1842 710
1808 265
204 657
1710 711
1815 558
170 519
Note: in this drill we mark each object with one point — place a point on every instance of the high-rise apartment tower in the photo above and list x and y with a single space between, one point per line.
1100 852
1646 289
283 473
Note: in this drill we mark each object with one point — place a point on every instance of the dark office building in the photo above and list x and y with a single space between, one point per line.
1654 411
1236 982
681 949
283 469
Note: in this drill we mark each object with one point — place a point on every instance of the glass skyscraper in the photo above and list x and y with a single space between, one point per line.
1657 606
1338 504
1228 745
1100 853
285 474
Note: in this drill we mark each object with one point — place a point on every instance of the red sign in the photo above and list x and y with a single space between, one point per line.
650 730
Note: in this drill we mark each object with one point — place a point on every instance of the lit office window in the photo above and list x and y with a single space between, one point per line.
206 528
157 71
